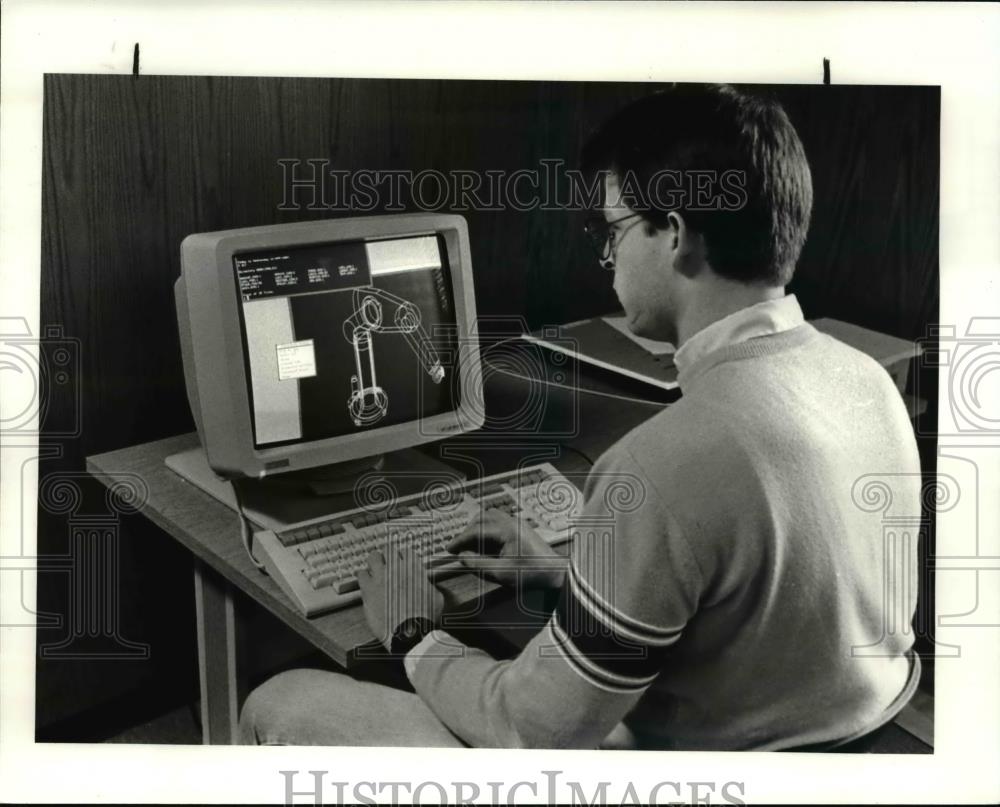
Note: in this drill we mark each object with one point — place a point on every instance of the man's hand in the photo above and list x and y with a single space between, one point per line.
394 588
509 551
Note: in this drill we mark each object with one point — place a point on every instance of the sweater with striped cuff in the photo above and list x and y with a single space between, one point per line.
733 583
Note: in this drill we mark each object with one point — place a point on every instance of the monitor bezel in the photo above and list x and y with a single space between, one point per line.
217 341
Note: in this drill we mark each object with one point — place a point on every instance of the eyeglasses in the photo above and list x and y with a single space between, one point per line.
601 234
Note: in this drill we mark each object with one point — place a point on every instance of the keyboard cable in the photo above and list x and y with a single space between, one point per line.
246 530
575 450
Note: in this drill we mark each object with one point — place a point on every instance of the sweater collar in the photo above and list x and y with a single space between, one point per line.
762 319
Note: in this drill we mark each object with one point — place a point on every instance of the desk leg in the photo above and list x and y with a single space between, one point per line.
216 657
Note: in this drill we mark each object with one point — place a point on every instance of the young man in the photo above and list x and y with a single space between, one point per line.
740 601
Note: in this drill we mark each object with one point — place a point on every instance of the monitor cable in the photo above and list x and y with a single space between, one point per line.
577 451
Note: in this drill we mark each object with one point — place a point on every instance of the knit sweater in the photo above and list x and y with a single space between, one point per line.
726 587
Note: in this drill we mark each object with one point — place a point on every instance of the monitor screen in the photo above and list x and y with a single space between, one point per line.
344 337
315 343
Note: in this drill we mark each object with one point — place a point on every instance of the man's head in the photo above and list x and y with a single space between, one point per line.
722 190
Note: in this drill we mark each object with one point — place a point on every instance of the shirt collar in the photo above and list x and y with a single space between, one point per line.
761 319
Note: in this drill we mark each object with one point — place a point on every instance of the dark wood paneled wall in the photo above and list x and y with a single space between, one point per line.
132 165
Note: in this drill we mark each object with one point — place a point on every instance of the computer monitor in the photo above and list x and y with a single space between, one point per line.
323 342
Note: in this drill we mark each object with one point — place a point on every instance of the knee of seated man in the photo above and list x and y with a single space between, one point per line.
274 710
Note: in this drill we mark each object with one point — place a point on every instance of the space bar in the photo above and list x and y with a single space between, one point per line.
442 565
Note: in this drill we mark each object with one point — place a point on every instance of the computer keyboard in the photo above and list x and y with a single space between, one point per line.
316 562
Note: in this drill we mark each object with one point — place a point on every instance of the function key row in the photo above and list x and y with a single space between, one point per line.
311 533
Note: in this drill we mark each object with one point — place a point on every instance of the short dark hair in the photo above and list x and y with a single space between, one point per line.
710 131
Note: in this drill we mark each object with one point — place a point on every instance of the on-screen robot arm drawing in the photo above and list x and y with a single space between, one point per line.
368 402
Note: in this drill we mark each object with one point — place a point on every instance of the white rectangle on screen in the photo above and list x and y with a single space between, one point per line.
403 255
296 360
276 407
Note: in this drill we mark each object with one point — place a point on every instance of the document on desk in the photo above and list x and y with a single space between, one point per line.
620 324
606 342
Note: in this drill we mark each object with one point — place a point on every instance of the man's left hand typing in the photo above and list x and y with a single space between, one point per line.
398 594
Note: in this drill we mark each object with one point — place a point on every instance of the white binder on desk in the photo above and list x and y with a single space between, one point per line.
606 342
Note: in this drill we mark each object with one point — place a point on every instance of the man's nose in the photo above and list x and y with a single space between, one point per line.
608 263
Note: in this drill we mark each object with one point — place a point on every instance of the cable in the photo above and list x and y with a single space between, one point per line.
246 532
568 447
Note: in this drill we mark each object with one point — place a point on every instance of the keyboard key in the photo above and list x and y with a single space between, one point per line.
292 537
321 563
345 585
525 480
322 580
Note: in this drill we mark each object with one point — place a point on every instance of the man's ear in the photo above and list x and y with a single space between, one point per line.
688 247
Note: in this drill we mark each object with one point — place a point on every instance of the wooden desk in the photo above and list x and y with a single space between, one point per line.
211 531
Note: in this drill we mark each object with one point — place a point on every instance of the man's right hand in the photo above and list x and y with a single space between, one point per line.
509 551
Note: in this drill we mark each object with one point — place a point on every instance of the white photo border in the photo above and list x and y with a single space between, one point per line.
950 45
